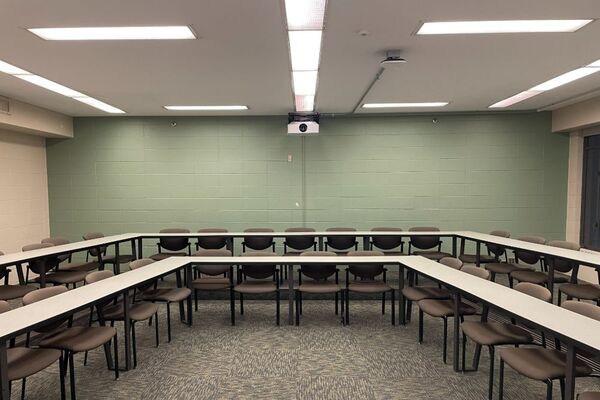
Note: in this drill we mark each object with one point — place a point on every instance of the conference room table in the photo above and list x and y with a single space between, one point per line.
577 332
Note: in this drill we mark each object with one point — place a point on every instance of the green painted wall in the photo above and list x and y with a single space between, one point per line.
476 172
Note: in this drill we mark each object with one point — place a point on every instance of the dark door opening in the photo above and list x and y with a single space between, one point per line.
590 207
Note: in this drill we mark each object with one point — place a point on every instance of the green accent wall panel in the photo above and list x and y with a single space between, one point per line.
478 172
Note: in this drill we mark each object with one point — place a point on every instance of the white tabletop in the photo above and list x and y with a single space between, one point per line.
284 234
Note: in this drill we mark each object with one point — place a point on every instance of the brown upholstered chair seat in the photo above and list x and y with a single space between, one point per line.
137 311
123 259
444 308
10 292
255 287
417 293
167 294
319 287
472 258
537 277
589 396
64 277
24 362
495 333
581 291
505 268
80 338
164 256
432 255
79 266
211 283
541 364
369 286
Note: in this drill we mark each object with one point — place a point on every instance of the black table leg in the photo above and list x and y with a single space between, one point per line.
4 371
20 274
478 253
229 245
366 243
179 284
570 376
402 306
127 329
117 264
133 249
290 282
456 331
454 246
551 281
320 243
140 249
189 279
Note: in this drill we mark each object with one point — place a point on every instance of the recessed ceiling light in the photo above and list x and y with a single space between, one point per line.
305 82
406 105
99 105
305 50
115 33
206 108
517 98
50 85
11 69
514 26
305 103
565 78
305 14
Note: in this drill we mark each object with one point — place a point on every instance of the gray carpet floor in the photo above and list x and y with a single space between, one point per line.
321 359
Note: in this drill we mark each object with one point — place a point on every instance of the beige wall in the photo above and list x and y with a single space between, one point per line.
27 118
576 116
23 190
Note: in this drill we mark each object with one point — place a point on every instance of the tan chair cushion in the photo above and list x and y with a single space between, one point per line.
319 287
210 283
495 333
417 293
472 258
167 294
504 268
589 396
80 338
444 308
537 277
432 255
393 253
255 287
62 278
137 311
541 364
24 362
164 256
10 292
581 291
369 287
79 266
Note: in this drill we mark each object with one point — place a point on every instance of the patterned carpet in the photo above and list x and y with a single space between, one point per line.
321 359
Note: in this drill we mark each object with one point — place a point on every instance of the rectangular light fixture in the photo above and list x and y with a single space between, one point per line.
11 69
406 105
305 14
595 64
508 26
565 78
90 101
305 82
115 33
305 50
205 108
517 98
50 85
305 103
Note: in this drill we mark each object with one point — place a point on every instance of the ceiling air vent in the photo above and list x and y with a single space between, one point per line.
4 105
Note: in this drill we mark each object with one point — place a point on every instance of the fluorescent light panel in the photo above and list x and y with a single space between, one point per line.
90 101
11 69
50 85
595 64
565 78
406 105
517 98
206 108
509 26
305 50
115 33
305 82
305 14
305 103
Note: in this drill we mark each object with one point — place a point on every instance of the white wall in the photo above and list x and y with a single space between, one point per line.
23 190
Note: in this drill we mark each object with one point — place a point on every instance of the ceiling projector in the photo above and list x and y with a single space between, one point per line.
303 124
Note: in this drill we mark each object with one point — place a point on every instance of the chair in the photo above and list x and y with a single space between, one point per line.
559 265
215 277
150 292
69 266
547 365
263 279
426 243
494 251
589 396
45 265
444 308
417 293
174 245
388 244
258 243
524 261
367 282
123 258
299 244
139 311
71 340
211 242
581 291
492 334
11 292
341 244
58 241
318 282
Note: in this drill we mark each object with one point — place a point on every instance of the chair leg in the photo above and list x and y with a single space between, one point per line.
491 382
393 307
61 373
72 376
420 326
493 277
549 390
23 385
301 298
562 389
444 356
196 299
156 327
383 303
297 308
510 282
134 344
278 305
241 304
347 297
116 349
501 381
464 352
408 309
168 322
232 306
336 303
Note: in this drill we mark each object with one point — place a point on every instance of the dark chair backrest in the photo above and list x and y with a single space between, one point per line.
42 264
300 243
216 269
94 235
258 242
424 242
174 243
318 272
452 262
259 271
365 271
561 264
529 257
58 241
42 294
496 249
212 242
387 242
341 242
